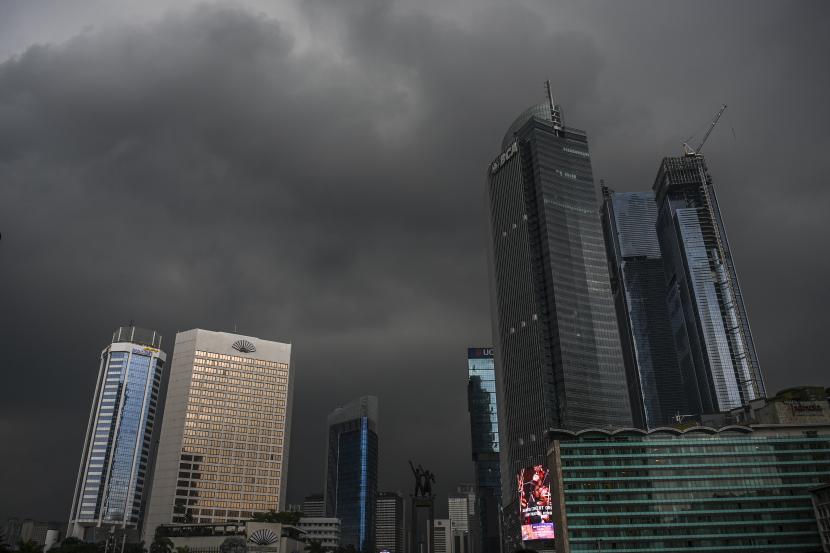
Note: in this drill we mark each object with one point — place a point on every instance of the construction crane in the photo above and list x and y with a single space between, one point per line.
688 150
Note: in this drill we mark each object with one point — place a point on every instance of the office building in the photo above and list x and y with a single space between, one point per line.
325 530
390 533
223 452
740 488
443 536
821 507
314 505
656 386
352 471
709 321
484 431
112 483
557 347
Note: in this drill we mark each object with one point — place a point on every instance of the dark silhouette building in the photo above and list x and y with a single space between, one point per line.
557 347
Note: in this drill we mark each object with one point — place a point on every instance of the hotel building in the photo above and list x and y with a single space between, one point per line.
223 452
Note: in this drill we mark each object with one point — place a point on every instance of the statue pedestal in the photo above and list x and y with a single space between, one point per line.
422 526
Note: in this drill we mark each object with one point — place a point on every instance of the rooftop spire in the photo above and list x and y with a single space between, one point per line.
555 111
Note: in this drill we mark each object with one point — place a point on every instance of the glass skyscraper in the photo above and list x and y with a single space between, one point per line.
223 451
657 388
557 347
112 484
484 430
352 471
709 321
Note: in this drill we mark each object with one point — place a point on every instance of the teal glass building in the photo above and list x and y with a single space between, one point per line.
740 488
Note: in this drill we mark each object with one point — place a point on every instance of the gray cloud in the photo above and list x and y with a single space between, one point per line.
319 179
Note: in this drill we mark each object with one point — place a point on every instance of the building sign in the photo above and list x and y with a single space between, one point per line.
535 509
145 351
479 353
803 408
502 159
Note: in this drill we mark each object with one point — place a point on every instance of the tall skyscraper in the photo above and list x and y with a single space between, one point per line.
657 388
390 535
112 484
223 453
709 321
352 471
557 347
484 430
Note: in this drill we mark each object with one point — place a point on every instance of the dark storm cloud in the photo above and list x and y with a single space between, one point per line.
322 184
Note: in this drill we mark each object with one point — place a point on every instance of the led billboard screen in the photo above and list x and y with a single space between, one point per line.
535 509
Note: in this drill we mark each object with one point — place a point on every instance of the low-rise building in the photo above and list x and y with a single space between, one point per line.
801 405
325 530
738 488
257 537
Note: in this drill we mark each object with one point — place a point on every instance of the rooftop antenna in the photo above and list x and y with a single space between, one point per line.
555 112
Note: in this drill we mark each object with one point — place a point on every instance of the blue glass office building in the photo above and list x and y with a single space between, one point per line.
658 390
709 320
112 485
740 488
352 472
484 431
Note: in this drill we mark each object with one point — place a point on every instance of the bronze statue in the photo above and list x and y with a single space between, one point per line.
423 481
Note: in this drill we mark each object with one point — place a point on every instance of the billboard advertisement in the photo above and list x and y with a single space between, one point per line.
535 508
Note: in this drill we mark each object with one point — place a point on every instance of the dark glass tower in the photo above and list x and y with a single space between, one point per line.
709 321
352 471
558 357
484 430
656 387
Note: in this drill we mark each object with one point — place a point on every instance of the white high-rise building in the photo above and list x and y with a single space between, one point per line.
223 452
110 491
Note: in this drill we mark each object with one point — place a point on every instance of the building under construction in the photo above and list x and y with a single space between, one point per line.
709 321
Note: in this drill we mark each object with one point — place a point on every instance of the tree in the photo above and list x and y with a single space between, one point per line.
29 546
315 546
233 544
182 549
135 548
74 545
4 545
161 544
291 518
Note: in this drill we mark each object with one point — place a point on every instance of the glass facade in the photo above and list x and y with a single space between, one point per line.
709 321
657 388
736 489
352 472
558 357
484 430
113 476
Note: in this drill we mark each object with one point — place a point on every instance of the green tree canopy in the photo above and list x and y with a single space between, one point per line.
291 518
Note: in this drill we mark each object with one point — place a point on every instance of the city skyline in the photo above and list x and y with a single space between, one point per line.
214 199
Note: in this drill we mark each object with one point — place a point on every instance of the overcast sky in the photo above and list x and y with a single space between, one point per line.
315 174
